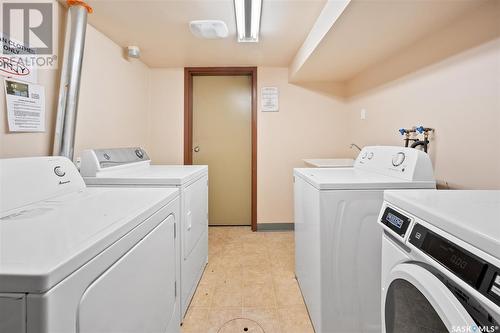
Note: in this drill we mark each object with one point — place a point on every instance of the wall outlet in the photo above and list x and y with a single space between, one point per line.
362 114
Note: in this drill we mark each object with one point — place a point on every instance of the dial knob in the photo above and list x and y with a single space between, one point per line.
364 155
139 153
370 155
398 159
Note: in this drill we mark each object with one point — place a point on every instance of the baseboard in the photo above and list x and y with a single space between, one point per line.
275 226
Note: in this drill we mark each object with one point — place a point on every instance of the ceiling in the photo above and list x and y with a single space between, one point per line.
160 28
369 31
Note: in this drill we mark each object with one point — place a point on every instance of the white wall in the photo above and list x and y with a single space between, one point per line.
460 98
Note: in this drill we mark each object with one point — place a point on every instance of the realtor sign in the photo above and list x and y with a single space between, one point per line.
27 38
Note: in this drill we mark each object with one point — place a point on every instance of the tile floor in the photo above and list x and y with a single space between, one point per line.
249 284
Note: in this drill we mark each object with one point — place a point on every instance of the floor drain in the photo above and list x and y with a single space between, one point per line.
241 325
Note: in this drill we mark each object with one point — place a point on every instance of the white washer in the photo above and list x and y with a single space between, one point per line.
75 259
441 261
130 167
337 238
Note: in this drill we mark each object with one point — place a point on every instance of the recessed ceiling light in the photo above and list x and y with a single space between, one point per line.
248 13
210 29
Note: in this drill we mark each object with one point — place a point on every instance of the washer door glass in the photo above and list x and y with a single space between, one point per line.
416 301
407 310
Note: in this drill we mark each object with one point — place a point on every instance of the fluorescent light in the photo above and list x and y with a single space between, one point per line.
248 13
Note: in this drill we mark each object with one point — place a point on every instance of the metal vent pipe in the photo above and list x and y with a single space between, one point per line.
69 87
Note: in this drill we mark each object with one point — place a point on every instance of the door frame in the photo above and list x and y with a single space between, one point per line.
189 73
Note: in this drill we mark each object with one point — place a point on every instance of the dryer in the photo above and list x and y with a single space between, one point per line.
131 167
337 238
78 259
440 261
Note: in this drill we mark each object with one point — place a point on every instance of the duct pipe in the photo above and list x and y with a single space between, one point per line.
69 86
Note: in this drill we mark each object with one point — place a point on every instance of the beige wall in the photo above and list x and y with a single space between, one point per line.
126 103
114 97
460 98
113 103
34 144
30 144
166 131
309 124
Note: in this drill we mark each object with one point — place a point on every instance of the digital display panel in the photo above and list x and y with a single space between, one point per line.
459 261
394 220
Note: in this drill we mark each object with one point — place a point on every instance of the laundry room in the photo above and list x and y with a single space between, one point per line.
244 165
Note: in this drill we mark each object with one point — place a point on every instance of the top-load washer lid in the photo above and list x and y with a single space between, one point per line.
470 215
377 167
52 234
123 166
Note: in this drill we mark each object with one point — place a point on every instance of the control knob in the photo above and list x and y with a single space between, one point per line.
398 159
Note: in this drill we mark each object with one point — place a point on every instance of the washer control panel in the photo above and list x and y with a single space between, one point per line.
475 271
95 160
117 156
401 162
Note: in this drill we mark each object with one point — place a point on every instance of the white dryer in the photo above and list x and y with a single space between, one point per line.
440 261
75 259
130 167
337 238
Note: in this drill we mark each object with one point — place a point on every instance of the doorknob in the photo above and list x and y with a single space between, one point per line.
196 149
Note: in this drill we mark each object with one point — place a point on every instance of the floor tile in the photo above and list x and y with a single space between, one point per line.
249 284
259 295
267 318
295 319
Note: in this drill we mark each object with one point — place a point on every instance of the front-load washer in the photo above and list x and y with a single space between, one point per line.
86 260
337 238
440 261
131 167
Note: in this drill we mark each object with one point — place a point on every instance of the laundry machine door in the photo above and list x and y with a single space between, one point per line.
415 300
195 215
138 292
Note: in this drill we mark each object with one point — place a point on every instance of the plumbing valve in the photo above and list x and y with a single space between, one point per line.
422 129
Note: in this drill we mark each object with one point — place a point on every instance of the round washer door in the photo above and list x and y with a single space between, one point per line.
414 300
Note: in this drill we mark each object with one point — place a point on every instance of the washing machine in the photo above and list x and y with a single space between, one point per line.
131 167
337 237
78 259
440 261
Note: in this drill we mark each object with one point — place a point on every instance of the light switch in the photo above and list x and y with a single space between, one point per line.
362 114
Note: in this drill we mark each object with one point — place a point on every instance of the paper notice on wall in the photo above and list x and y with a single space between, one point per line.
25 106
13 62
269 99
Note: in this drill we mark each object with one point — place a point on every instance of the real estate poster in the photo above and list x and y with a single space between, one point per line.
25 106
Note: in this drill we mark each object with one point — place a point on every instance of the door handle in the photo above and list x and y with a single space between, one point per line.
196 149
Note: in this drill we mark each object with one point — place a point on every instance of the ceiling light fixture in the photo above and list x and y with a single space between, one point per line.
209 29
248 13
